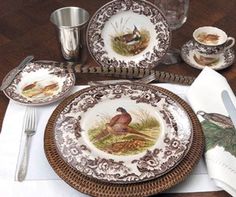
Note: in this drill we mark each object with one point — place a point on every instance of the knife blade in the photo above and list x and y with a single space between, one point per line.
107 82
229 106
10 77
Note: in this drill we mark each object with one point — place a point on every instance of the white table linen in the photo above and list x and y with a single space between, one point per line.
41 180
205 95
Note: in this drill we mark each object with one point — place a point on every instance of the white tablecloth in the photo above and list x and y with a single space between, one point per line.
41 180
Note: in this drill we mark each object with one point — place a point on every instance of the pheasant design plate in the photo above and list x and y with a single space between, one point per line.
128 33
123 133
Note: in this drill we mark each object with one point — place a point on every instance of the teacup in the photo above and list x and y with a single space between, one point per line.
211 41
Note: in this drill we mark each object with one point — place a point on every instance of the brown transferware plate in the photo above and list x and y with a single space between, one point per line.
123 133
128 33
40 83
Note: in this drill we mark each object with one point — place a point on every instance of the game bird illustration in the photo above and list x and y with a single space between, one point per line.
119 125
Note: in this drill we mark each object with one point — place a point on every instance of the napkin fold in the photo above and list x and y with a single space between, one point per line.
204 95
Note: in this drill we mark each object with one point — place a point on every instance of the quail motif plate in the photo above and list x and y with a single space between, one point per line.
128 33
123 133
40 84
189 55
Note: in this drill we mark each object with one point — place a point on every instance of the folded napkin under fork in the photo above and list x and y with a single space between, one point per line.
205 97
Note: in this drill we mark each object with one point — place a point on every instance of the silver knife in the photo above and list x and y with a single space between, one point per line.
107 82
10 77
229 106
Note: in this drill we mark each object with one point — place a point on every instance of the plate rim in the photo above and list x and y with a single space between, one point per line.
153 64
47 62
188 145
98 188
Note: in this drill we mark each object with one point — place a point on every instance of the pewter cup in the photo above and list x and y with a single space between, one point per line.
71 24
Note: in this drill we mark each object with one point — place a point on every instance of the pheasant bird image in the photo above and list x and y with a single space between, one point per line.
119 125
125 133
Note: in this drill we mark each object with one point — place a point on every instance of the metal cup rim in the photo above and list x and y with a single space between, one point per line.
67 26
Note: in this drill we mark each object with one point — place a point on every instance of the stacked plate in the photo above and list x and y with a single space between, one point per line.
123 139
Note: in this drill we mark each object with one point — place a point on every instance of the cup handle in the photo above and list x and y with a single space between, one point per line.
232 40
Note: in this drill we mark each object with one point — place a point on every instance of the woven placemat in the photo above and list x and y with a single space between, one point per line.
94 187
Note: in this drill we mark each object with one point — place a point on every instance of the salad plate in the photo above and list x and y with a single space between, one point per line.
40 83
122 133
128 33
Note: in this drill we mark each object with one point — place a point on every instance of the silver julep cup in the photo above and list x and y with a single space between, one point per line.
71 23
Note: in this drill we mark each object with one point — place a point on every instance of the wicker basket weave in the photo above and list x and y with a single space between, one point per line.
94 187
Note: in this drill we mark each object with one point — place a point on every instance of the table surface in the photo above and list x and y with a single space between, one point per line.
26 29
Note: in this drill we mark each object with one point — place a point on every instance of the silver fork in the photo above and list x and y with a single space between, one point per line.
147 79
30 123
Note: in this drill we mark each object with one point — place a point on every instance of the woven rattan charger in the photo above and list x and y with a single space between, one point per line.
97 188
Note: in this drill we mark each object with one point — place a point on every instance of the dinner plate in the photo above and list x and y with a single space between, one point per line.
122 133
189 55
128 33
40 83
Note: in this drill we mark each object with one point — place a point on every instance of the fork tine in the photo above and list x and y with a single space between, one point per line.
26 116
31 120
34 117
31 116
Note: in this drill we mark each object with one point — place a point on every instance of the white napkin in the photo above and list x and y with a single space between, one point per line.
13 127
220 155
41 180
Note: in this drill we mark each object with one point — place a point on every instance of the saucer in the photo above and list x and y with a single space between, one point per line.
188 54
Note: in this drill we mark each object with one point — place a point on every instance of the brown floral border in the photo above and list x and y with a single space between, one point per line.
149 166
11 91
229 56
95 42
94 187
